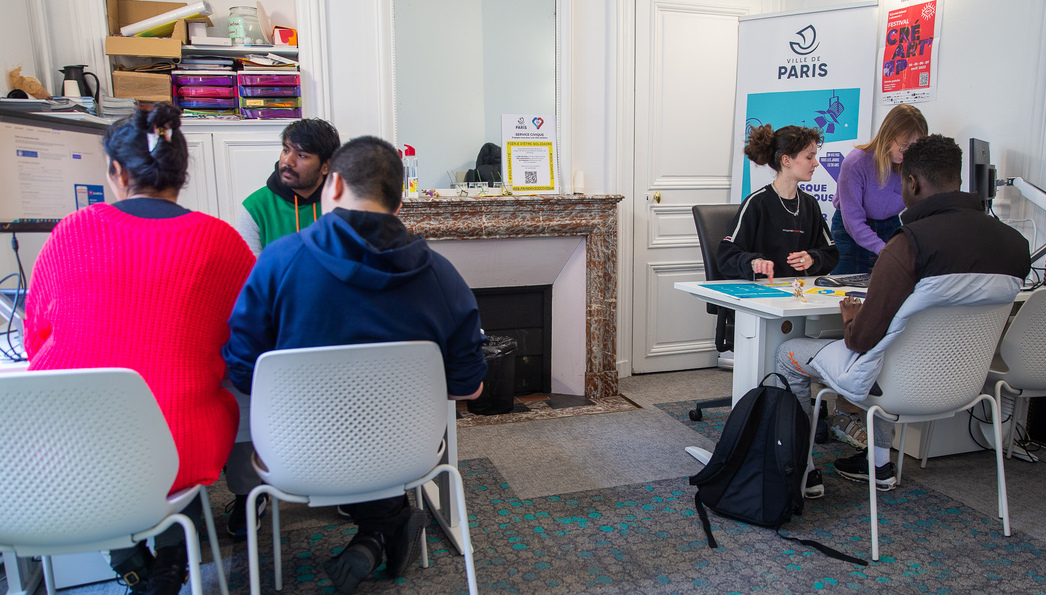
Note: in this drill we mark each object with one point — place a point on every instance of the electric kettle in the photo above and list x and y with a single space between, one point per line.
75 85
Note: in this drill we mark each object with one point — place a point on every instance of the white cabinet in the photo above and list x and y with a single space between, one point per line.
227 162
199 193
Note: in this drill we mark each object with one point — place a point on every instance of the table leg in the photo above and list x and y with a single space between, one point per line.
756 341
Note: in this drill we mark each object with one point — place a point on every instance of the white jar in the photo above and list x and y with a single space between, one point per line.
244 27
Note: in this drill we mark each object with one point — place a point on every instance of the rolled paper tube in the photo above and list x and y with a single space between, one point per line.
155 26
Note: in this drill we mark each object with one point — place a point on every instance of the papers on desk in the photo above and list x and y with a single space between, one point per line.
828 291
746 290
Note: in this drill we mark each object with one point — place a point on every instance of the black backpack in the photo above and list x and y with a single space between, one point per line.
756 471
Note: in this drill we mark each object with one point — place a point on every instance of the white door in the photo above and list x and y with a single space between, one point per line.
686 64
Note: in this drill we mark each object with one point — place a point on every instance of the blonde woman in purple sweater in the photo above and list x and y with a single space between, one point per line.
868 198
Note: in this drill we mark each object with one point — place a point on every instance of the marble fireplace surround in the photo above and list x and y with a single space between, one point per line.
544 216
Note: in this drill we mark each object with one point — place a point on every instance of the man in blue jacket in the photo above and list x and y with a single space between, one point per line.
948 252
358 276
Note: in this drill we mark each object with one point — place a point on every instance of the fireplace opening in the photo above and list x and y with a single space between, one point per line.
525 314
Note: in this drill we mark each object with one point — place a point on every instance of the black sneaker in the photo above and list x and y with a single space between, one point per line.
169 572
134 572
855 468
404 547
821 435
237 509
357 562
814 485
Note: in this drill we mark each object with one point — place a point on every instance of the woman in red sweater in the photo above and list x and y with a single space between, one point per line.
146 284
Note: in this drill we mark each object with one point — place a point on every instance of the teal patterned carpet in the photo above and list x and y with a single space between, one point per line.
646 538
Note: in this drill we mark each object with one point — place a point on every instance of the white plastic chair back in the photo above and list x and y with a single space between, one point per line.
1023 347
940 360
361 420
87 458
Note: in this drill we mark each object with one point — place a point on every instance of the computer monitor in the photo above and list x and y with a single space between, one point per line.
49 167
982 172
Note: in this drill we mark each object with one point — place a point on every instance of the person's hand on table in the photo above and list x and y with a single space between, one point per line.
765 267
849 306
800 261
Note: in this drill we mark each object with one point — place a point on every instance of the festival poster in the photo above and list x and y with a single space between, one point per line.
909 66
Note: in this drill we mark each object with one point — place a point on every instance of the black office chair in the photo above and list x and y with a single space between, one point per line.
713 224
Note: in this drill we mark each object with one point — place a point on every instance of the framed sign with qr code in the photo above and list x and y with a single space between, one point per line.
529 153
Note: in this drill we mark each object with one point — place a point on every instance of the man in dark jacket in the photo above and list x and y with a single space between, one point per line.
358 276
947 252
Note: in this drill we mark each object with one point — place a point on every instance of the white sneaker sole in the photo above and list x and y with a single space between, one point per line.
883 485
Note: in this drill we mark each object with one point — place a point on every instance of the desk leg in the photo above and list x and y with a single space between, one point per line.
24 575
437 491
755 347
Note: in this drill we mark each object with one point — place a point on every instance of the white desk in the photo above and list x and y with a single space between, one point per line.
761 324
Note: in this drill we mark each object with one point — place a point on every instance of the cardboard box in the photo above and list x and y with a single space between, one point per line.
126 12
143 86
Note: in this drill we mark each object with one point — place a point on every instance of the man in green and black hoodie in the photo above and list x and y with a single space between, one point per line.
289 201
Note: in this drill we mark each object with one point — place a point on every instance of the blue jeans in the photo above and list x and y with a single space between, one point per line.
852 257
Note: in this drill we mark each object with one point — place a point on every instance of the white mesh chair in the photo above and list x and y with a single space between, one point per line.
1019 368
349 423
933 370
87 462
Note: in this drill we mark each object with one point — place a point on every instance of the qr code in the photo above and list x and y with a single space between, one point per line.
530 177
924 79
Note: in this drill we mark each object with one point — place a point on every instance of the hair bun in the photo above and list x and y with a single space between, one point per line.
164 115
759 147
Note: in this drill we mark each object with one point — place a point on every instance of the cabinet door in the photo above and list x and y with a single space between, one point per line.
199 192
242 164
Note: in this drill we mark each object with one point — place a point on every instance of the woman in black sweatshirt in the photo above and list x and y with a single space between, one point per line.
779 229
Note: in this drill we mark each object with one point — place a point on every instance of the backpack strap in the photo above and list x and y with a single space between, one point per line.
784 381
824 549
701 512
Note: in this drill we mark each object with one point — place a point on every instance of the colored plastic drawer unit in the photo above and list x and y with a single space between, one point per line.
269 80
269 91
270 102
270 114
206 103
208 92
210 80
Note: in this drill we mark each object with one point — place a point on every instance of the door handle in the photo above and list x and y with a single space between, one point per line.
657 197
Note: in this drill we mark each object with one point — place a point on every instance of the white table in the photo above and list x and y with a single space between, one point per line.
761 324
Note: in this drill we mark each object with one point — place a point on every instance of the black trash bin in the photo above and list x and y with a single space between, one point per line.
500 383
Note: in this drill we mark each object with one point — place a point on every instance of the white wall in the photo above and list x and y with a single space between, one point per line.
17 44
991 86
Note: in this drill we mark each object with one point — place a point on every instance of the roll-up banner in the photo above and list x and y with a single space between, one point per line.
811 68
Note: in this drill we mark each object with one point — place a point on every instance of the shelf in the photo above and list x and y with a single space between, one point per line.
188 123
240 50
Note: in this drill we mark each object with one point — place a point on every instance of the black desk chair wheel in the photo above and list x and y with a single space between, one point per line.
713 224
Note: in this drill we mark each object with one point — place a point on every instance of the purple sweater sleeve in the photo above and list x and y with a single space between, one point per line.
861 198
